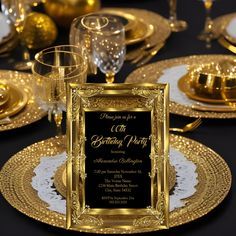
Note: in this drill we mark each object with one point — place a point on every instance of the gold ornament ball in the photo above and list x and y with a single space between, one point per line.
64 11
39 31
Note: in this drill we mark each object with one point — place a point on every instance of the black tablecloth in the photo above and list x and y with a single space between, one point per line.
220 135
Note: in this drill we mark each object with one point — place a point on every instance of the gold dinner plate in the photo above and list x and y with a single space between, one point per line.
128 20
214 178
137 28
140 32
150 28
31 112
16 102
184 85
152 72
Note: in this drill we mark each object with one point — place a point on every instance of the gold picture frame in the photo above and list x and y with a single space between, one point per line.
87 105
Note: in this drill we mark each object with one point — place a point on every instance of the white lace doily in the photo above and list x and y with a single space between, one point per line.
42 182
172 76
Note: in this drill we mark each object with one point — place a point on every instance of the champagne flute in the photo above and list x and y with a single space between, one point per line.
17 11
109 46
176 25
53 68
207 33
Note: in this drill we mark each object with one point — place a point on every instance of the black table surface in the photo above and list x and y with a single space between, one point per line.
219 135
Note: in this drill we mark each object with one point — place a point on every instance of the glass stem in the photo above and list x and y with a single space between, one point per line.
208 23
110 77
57 115
26 54
172 5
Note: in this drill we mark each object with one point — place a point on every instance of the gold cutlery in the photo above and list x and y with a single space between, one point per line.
189 127
152 53
137 51
147 55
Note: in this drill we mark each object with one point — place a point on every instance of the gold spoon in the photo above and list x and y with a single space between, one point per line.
4 94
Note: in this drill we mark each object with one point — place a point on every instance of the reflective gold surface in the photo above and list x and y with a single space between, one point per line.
209 82
31 111
138 28
151 73
185 86
213 174
16 102
161 32
141 32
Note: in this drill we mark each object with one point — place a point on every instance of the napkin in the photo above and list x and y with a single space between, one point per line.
4 26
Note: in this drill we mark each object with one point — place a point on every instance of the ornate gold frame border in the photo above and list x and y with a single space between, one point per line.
117 97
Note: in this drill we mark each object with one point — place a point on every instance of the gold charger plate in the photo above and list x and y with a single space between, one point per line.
16 102
184 84
151 73
31 112
213 174
140 29
140 33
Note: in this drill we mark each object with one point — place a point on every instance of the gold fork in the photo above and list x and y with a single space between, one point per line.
152 53
189 127
146 53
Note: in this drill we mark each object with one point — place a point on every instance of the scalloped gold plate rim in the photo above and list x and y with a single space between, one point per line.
16 176
31 112
16 102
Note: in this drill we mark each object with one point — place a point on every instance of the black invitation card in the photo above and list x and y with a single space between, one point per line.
117 164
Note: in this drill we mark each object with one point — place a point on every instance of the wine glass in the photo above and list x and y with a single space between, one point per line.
207 33
17 11
81 34
176 25
53 68
109 47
